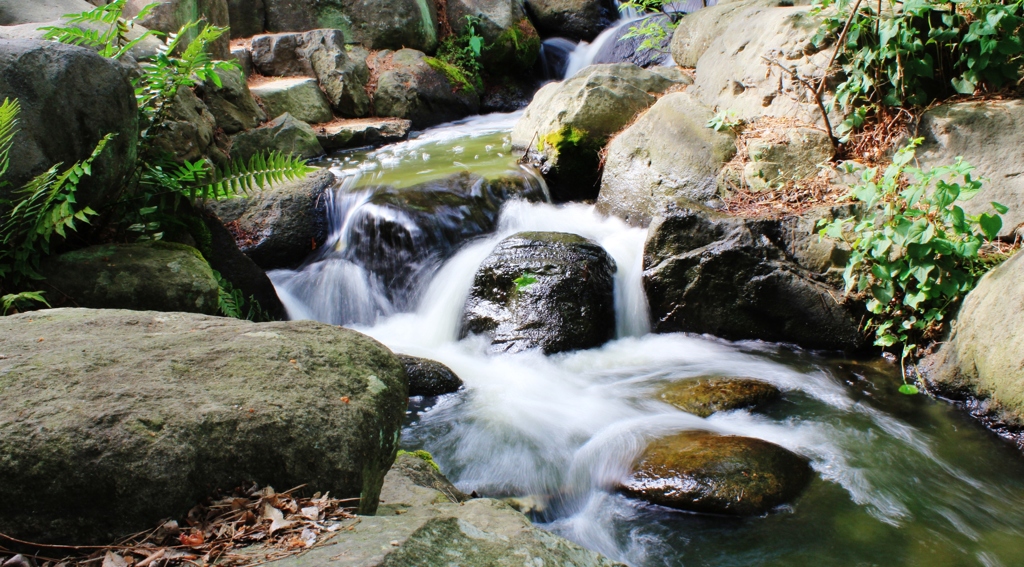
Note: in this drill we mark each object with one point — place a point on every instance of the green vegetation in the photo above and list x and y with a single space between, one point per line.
522 40
151 197
458 57
916 52
915 254
524 281
654 32
421 454
724 120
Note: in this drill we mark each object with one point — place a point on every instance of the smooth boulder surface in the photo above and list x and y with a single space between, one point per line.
429 377
551 291
735 278
153 276
301 97
989 135
567 124
984 356
119 419
410 229
70 99
667 156
231 104
710 394
411 87
376 24
697 30
424 521
707 473
284 134
732 73
572 19
279 227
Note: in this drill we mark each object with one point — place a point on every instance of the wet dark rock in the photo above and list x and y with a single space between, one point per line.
408 230
546 290
415 87
126 418
284 134
70 99
429 377
697 471
709 394
152 276
361 133
735 278
573 19
281 226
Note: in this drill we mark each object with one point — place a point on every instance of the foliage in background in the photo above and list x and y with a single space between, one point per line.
458 57
724 120
915 52
153 192
654 32
21 301
915 254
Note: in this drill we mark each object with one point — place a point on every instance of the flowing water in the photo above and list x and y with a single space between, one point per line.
899 480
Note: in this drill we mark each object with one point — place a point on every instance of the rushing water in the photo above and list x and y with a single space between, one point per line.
899 480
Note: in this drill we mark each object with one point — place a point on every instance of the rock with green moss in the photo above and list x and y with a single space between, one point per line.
301 97
284 134
709 394
429 377
697 471
424 521
565 127
573 19
281 226
376 24
551 291
115 420
153 276
667 156
511 42
423 89
982 360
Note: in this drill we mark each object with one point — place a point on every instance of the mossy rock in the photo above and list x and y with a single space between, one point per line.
706 395
697 471
113 420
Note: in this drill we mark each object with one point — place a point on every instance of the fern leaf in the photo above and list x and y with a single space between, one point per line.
9 111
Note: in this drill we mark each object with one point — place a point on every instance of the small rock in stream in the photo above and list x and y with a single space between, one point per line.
706 395
429 377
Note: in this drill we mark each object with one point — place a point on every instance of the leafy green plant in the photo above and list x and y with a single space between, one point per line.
654 32
21 301
524 281
458 57
915 52
915 254
110 39
233 303
724 120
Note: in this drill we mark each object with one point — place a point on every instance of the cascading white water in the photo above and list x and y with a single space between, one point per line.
566 428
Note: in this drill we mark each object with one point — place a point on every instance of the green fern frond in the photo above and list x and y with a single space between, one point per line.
9 111
261 172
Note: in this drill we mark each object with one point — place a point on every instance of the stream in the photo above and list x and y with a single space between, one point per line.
900 480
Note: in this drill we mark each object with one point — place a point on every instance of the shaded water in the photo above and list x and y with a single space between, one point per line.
899 480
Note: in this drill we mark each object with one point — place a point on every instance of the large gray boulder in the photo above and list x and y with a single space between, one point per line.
424 521
231 104
281 226
511 41
982 361
17 12
169 16
414 86
572 19
697 30
974 130
119 419
22 19
151 276
666 157
284 134
376 24
70 99
567 125
732 72
741 279
543 290
300 97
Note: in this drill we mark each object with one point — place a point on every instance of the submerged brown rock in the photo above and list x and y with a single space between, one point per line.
706 395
